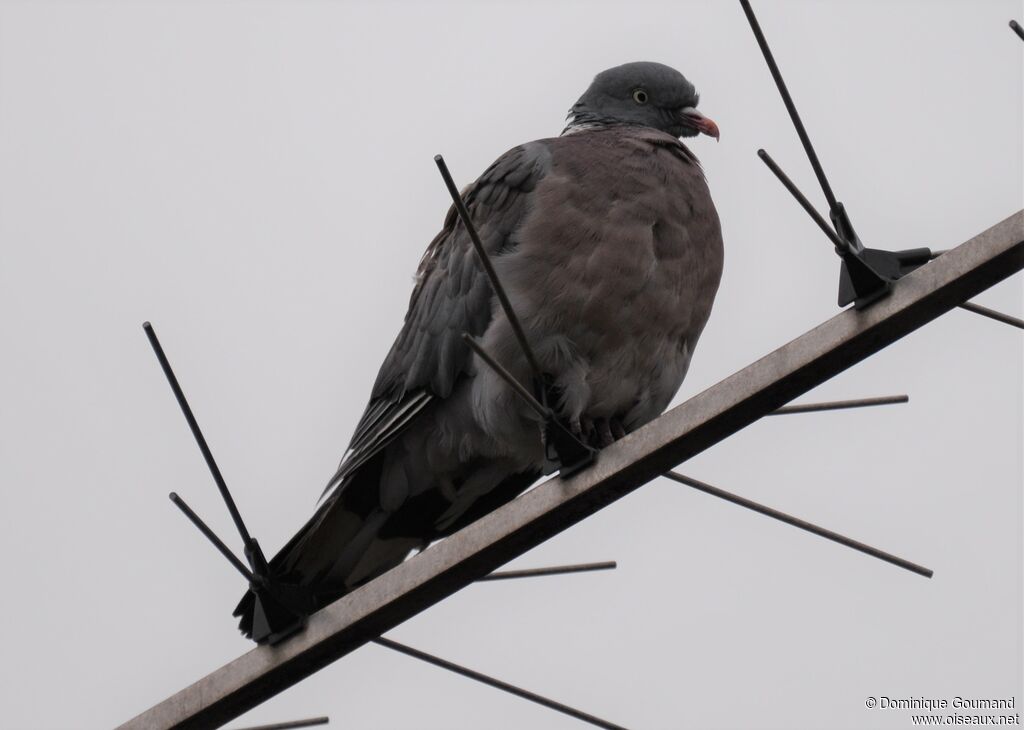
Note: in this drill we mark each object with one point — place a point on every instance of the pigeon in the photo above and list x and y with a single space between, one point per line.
609 247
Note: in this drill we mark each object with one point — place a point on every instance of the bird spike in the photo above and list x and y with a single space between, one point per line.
797 522
290 724
839 405
551 570
907 260
567 453
1015 26
861 282
841 245
867 274
993 314
571 453
805 140
496 683
721 493
212 537
492 275
197 433
281 610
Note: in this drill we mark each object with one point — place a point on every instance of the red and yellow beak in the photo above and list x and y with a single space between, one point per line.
693 118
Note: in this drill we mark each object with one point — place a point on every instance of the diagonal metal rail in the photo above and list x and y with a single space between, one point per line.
554 506
721 493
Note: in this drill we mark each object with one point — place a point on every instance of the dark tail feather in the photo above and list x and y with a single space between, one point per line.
351 540
509 488
244 612
338 549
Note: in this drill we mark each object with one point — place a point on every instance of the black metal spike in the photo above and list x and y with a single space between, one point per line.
565 453
866 274
860 281
570 453
280 609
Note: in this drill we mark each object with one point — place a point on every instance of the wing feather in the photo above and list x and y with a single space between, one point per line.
451 296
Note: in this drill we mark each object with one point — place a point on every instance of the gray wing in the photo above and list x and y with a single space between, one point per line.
451 296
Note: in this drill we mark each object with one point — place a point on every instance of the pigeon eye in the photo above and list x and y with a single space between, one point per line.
640 96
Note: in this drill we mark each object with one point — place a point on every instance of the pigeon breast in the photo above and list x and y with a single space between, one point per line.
613 272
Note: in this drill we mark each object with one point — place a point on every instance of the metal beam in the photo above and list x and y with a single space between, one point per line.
554 506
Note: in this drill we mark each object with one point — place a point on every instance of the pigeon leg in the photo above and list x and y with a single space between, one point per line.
618 430
447 487
604 432
587 430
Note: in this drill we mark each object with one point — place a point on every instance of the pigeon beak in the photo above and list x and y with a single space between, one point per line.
693 118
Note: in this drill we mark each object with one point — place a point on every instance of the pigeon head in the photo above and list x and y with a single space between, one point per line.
644 93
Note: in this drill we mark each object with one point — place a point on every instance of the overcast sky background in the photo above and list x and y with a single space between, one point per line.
256 179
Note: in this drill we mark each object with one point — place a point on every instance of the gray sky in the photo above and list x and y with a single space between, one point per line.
256 179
